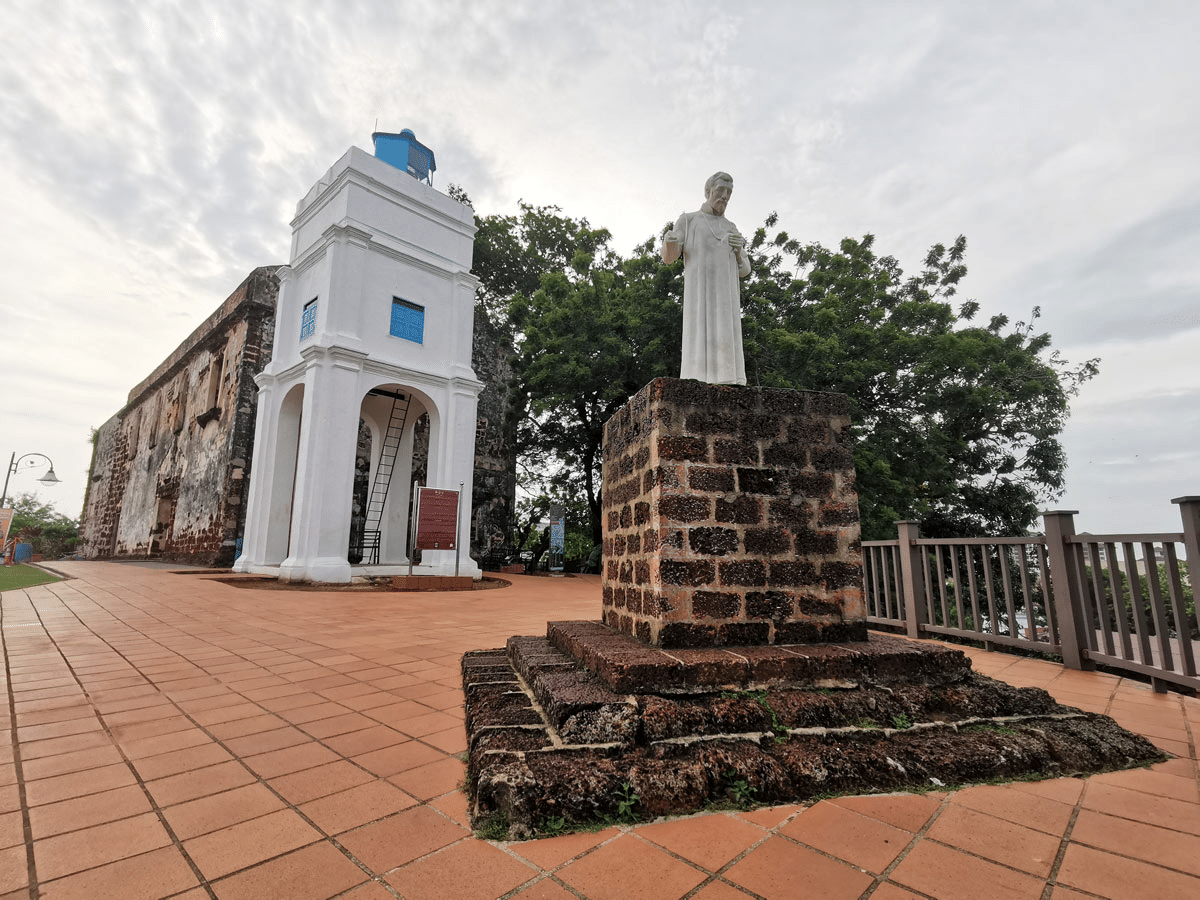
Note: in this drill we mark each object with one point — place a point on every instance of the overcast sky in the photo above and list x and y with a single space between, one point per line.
152 154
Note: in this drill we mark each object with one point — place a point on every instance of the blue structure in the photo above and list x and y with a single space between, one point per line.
406 153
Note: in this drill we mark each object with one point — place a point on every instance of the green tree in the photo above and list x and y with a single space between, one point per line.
52 534
589 338
955 424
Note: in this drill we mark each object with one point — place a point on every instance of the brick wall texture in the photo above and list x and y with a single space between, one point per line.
731 518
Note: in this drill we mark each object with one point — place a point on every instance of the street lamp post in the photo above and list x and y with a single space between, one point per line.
14 463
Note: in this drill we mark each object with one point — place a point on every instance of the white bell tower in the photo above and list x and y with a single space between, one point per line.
373 324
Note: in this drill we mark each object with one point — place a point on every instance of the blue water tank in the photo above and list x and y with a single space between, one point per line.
406 153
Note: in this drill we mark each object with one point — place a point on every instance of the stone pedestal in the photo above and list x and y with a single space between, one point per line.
731 518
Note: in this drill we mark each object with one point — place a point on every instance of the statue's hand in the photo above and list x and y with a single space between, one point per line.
736 241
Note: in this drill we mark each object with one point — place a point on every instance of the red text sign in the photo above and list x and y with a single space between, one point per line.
437 519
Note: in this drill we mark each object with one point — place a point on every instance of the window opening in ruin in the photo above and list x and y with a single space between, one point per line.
152 416
214 381
408 320
308 319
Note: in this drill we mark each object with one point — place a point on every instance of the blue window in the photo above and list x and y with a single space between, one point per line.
408 320
308 321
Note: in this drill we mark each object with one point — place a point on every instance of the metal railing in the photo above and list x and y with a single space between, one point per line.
1122 600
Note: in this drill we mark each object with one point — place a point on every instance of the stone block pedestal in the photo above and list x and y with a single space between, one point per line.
731 518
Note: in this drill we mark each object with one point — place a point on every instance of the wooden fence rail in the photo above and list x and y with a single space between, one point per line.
1119 600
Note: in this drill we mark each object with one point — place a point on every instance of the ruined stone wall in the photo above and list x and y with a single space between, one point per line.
171 469
731 517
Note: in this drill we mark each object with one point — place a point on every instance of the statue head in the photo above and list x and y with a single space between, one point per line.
716 193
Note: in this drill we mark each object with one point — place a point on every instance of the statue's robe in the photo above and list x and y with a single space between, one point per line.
712 308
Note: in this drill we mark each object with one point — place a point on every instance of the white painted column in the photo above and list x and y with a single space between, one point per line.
325 469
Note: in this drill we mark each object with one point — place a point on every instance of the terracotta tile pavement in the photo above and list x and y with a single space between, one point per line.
174 737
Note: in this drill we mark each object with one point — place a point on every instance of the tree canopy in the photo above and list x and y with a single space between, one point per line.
955 423
52 534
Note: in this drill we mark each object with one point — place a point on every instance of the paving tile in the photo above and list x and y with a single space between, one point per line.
909 812
75 761
59 729
64 744
399 758
1170 849
770 816
888 891
315 872
359 805
780 870
470 870
185 760
78 784
86 848
319 781
997 839
199 783
453 805
205 814
290 759
374 737
14 869
452 740
628 868
83 812
164 743
431 722
549 889
1109 875
950 874
373 890
401 838
859 840
1153 781
710 841
148 876
265 741
433 780
247 843
12 829
1152 809
1019 807
550 853
719 890
1063 790
241 727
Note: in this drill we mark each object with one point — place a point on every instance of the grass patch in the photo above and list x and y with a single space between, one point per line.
14 578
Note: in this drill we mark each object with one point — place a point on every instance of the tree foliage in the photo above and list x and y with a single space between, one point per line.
52 534
955 423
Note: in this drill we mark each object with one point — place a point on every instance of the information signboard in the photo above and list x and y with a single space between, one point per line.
437 519
558 538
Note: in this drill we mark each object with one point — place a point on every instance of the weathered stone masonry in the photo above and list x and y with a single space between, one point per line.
731 518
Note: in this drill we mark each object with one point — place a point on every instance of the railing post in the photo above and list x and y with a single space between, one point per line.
1065 590
912 581
1189 511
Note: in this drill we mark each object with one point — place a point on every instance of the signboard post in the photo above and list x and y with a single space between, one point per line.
435 520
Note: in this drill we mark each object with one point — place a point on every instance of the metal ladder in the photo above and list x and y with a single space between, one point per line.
383 474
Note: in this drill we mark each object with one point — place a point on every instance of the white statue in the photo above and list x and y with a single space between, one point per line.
714 258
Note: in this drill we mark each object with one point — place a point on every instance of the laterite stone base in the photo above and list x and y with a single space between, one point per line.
731 518
589 725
